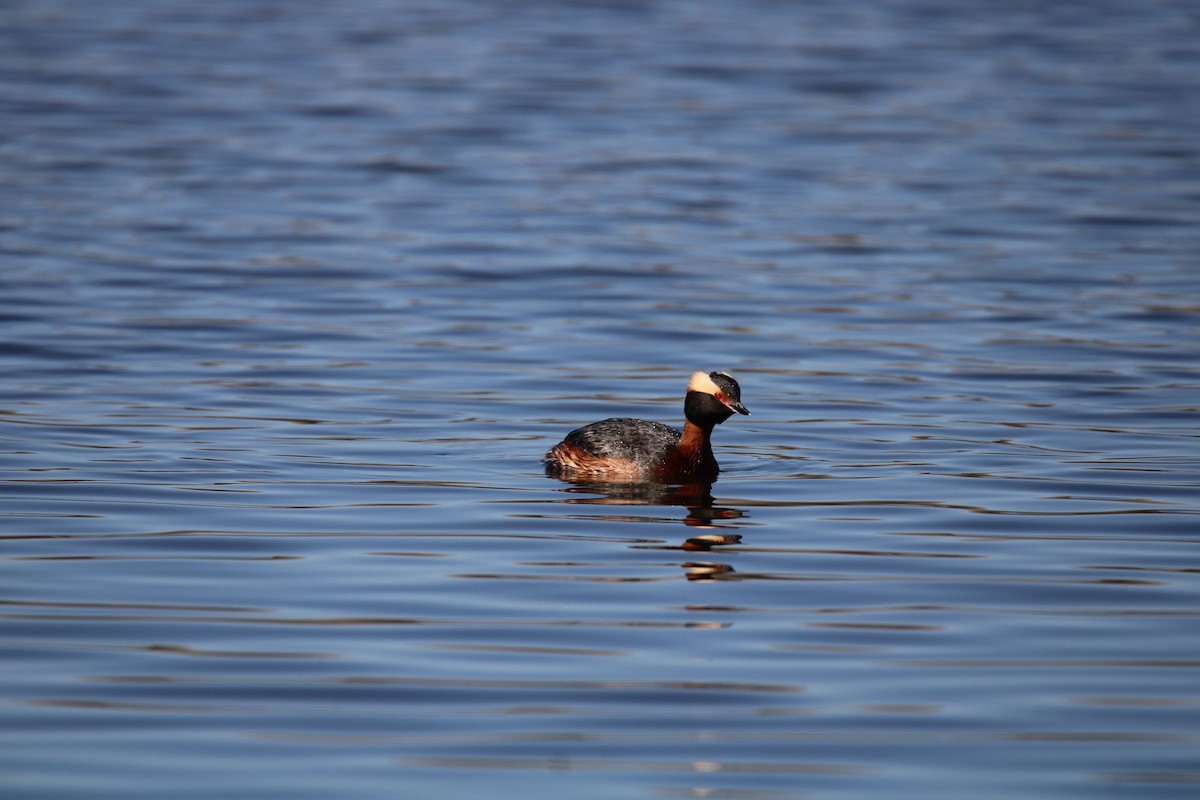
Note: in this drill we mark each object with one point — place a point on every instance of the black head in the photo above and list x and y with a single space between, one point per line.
712 398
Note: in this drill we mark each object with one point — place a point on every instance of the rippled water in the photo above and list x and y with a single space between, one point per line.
296 295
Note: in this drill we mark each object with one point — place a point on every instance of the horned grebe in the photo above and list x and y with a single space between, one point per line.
637 450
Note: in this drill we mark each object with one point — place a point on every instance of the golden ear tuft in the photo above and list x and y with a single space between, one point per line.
700 382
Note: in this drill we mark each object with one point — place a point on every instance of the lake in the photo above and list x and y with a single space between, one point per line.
295 296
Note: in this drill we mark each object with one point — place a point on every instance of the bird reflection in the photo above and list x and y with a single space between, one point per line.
710 540
704 571
702 512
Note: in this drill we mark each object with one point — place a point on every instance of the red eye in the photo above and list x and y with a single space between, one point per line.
720 398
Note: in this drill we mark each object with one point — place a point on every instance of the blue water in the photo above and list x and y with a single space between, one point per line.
294 296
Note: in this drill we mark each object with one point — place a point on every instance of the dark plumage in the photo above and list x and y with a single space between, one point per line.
623 450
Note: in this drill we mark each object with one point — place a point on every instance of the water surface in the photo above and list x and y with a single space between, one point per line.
295 297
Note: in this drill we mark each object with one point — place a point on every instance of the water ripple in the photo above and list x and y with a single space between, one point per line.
295 296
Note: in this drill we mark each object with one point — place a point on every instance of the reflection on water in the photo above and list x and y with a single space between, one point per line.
295 297
701 512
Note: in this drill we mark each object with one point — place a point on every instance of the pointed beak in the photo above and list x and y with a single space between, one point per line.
736 406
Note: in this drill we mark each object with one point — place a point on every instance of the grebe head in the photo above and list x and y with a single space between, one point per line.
712 397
